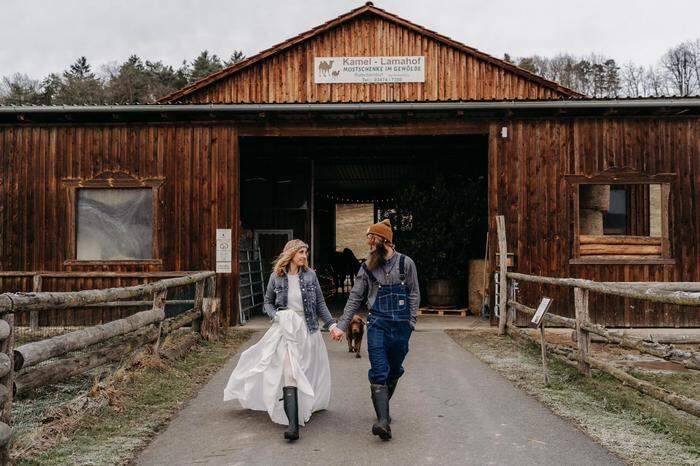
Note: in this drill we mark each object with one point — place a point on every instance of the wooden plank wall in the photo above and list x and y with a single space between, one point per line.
451 74
198 162
527 187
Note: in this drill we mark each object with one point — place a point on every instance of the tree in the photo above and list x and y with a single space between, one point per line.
204 65
632 80
80 86
20 89
236 56
128 83
680 63
50 87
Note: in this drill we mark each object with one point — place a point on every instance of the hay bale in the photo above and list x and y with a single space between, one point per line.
595 197
590 222
476 284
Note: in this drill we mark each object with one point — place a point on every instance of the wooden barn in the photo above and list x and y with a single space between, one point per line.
352 109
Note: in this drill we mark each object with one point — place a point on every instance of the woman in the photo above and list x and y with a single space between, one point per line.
291 358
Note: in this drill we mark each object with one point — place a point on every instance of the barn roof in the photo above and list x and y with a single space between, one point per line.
653 106
367 9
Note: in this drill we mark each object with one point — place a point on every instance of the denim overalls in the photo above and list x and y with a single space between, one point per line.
388 328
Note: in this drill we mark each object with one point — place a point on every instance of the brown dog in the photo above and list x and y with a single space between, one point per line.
356 330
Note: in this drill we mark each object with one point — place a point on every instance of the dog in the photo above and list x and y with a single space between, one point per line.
356 331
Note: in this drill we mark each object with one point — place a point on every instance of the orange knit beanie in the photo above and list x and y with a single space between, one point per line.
382 229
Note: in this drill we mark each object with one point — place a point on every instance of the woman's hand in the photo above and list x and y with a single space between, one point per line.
337 334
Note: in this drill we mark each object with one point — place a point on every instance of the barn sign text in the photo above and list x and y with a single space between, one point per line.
369 70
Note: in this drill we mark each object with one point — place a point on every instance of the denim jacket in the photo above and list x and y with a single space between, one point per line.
312 296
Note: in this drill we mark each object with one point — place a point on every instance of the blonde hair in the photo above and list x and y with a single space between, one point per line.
287 254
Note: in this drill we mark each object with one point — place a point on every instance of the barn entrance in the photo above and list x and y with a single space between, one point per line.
432 188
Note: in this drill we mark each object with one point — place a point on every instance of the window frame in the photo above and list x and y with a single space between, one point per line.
111 180
622 177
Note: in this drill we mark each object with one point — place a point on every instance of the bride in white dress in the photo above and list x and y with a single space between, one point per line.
291 358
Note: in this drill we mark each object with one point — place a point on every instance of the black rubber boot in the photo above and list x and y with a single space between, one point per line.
291 408
391 385
380 399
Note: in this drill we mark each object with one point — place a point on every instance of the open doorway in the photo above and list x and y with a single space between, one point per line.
432 188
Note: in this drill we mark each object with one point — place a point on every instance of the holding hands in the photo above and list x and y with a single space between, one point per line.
336 333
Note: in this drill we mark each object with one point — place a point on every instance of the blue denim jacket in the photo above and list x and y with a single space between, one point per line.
312 296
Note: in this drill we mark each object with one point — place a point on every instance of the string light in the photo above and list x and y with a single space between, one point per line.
354 199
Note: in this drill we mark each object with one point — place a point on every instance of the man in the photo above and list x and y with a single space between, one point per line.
389 283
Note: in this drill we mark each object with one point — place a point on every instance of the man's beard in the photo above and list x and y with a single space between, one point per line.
377 258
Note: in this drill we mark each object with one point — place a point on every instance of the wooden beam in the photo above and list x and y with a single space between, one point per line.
582 335
7 382
70 366
568 355
689 359
609 239
38 351
198 299
210 319
620 249
34 315
553 319
660 296
65 300
174 323
503 278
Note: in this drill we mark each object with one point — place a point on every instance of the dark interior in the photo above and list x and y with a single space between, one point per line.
283 178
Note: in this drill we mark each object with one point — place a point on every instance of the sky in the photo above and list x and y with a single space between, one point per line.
42 36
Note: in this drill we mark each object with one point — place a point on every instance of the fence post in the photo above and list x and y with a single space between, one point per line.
582 335
159 305
210 319
543 345
198 300
503 269
34 315
7 334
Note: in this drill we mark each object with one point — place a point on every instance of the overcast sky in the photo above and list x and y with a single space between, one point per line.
38 37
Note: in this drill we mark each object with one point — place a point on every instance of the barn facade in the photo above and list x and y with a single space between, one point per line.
599 189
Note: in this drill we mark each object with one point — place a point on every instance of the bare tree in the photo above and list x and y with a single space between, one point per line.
655 82
680 63
632 77
20 89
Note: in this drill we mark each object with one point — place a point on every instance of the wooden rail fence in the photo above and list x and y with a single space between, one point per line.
673 293
41 281
48 361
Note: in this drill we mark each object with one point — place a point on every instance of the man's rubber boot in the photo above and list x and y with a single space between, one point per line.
380 399
391 385
291 408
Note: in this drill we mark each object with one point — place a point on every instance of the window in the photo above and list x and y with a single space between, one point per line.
112 219
621 219
114 224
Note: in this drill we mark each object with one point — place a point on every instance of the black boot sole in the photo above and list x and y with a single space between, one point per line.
384 434
291 436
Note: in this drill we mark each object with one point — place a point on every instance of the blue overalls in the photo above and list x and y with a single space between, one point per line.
388 328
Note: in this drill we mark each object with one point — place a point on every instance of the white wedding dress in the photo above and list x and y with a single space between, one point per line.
261 372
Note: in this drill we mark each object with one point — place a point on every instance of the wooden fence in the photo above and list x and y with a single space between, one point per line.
580 357
66 281
48 361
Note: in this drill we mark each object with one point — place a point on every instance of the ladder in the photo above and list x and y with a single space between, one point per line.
251 285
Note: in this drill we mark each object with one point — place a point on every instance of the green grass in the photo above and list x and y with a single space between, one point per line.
637 428
138 408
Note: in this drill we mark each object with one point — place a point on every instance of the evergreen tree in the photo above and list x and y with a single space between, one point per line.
80 86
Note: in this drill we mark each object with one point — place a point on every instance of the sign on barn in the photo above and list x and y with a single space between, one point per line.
406 69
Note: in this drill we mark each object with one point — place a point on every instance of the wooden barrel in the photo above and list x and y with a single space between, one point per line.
442 293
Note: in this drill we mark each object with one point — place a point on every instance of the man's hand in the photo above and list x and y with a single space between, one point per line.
337 334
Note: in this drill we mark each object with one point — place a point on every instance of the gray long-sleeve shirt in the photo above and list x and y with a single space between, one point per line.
364 288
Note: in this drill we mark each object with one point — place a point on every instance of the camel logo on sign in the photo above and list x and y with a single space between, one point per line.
324 67
407 69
